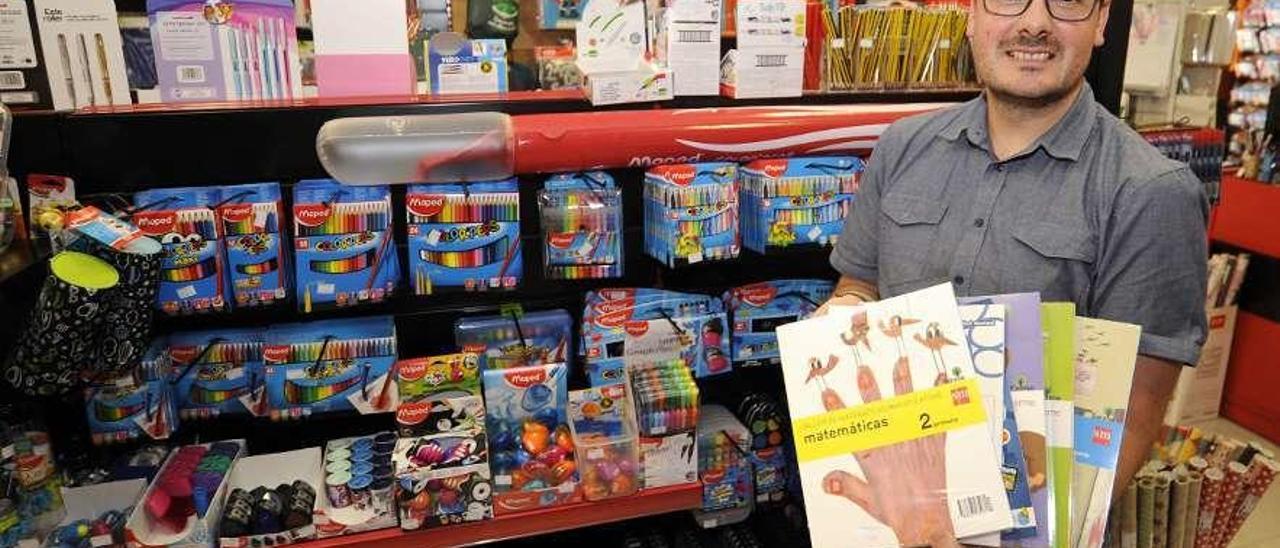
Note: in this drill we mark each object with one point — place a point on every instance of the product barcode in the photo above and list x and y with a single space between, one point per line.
12 80
771 60
686 36
190 74
972 506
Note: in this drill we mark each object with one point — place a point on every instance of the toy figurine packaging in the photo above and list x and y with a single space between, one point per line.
796 201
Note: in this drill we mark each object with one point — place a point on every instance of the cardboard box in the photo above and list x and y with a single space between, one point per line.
668 460
199 531
23 81
688 42
362 48
90 502
458 65
770 23
445 496
762 72
1198 395
269 471
81 41
612 48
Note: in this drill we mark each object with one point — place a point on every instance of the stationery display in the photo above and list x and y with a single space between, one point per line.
217 373
604 440
691 213
629 326
359 486
769 58
331 366
129 408
343 245
1203 149
758 309
1226 273
532 453
581 226
456 64
666 397
272 499
1058 323
867 438
795 201
223 51
182 504
256 260
464 235
516 339
445 496
81 44
894 47
424 380
724 467
193 277
1200 389
25 69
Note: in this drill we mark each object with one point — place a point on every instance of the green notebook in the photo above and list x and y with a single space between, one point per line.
1058 320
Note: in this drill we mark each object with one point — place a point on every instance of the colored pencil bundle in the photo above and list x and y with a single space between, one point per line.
517 340
256 259
895 47
465 235
796 201
581 226
217 372
183 220
691 213
331 366
666 398
344 245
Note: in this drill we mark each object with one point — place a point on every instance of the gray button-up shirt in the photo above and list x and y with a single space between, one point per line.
1089 213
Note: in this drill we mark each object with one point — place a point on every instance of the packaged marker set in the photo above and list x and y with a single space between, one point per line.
343 245
465 236
666 398
796 201
193 277
331 366
691 213
758 309
642 325
531 446
256 260
134 407
217 373
517 340
581 226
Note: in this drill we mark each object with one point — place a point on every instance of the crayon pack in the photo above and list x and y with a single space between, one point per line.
796 201
666 398
330 366
193 276
256 260
517 340
344 247
218 373
465 235
135 406
581 226
691 213
531 446
637 326
758 309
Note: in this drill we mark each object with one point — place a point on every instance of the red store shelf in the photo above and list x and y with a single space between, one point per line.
1246 216
648 502
1249 397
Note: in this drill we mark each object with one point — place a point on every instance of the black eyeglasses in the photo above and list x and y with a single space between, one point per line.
1071 11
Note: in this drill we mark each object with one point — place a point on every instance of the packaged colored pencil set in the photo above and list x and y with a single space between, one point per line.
531 446
217 373
691 213
256 260
331 366
136 406
666 397
581 226
343 244
627 325
465 235
517 339
796 201
193 277
758 309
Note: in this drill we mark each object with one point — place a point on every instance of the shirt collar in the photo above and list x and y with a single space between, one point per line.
1065 140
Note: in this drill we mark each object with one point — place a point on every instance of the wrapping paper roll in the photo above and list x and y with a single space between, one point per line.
1210 503
1146 511
1129 517
1262 472
1228 500
1195 479
59 340
1198 464
1178 510
127 309
1160 511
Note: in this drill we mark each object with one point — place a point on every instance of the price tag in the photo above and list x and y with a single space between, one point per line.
186 292
511 309
867 43
837 43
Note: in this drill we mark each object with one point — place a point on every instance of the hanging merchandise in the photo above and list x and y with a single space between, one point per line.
517 339
796 201
331 366
218 373
758 309
256 260
581 226
532 458
343 245
134 407
691 213
192 271
493 19
604 439
465 236
643 326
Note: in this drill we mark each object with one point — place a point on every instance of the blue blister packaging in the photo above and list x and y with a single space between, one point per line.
517 340
796 201
256 258
331 366
530 442
345 251
132 407
465 235
691 213
581 226
758 309
218 372
653 325
193 276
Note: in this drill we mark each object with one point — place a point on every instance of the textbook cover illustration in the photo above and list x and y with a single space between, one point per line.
887 414
1058 320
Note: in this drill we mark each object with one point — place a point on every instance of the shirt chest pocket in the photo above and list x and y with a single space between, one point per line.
908 236
1056 259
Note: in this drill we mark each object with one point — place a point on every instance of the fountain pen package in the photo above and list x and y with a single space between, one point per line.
217 373
82 48
889 425
331 366
257 261
343 245
193 276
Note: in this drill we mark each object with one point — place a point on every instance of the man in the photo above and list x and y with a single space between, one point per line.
1035 187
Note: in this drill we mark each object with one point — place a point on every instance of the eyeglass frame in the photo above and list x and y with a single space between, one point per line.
1093 6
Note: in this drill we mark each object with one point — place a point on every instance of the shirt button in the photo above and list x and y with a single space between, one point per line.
979 222
959 280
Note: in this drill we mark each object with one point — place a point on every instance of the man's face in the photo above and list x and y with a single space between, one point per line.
1033 58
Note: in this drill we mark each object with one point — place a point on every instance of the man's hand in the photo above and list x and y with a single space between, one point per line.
1153 382
849 292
